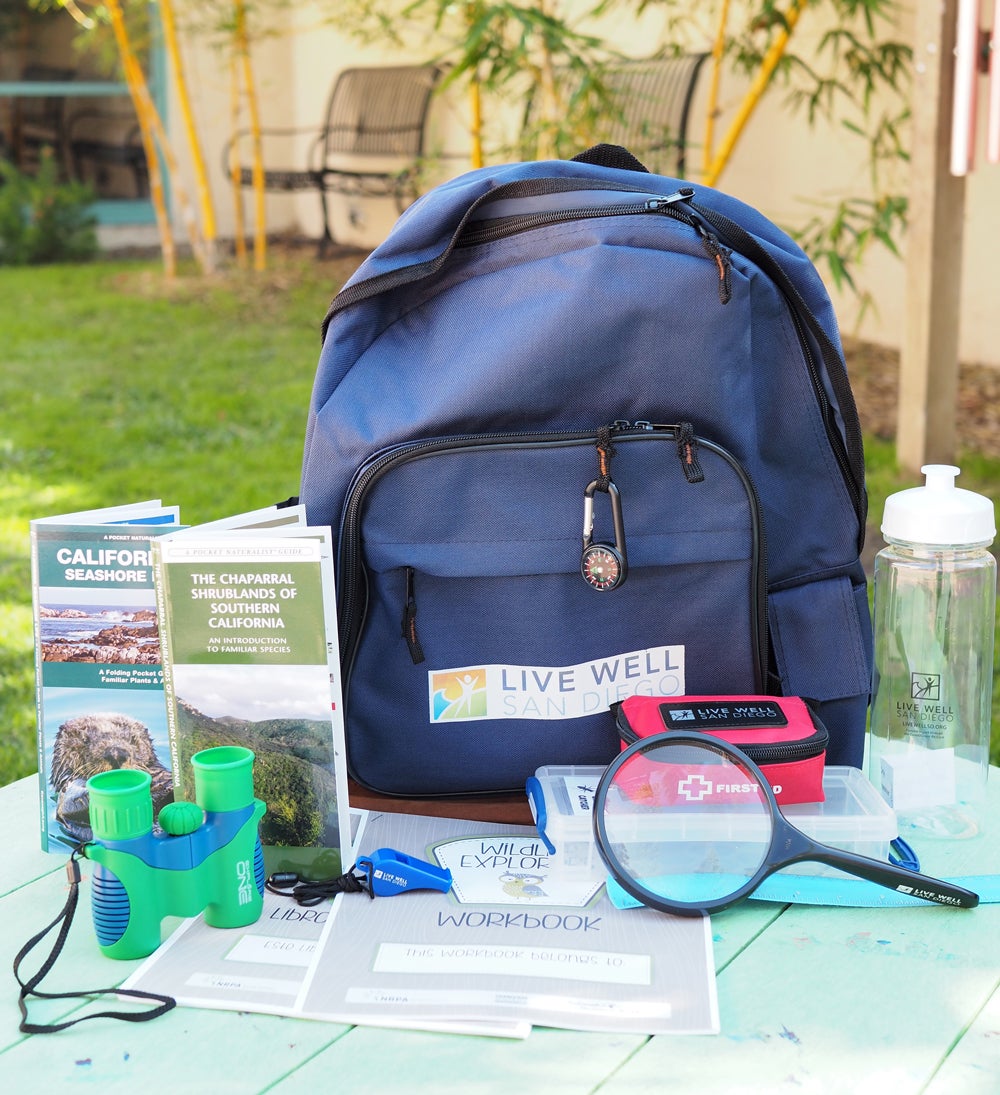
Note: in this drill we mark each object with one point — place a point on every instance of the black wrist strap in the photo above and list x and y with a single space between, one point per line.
308 892
30 987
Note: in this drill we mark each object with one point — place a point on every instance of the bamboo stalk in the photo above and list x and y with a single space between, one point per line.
257 170
141 107
239 228
476 121
475 99
550 104
146 109
167 152
712 106
755 91
187 114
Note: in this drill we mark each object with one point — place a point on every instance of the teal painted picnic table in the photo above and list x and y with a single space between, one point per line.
811 1000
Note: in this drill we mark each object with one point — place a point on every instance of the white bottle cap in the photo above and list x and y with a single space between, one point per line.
939 512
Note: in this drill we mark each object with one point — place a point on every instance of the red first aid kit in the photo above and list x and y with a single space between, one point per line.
780 734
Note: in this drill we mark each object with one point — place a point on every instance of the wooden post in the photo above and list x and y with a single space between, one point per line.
928 374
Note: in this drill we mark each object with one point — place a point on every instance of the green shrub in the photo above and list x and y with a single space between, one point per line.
43 219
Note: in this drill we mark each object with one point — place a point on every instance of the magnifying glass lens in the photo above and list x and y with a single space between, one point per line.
684 823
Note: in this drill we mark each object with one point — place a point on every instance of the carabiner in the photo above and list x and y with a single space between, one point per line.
603 566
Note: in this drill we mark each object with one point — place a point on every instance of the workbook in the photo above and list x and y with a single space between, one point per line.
517 938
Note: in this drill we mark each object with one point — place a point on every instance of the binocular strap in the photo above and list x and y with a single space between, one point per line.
30 987
311 892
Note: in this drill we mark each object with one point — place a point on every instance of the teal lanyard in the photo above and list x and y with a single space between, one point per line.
842 889
826 890
805 889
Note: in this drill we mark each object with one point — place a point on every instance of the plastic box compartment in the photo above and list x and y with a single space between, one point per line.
853 816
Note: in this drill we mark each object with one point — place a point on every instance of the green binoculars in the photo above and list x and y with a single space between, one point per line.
208 857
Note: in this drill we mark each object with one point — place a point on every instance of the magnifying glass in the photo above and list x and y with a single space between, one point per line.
688 824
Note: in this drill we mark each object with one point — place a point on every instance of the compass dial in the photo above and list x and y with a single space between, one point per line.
601 567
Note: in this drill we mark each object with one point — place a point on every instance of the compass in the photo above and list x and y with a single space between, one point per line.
602 567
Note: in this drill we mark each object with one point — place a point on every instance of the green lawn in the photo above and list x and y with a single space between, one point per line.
115 388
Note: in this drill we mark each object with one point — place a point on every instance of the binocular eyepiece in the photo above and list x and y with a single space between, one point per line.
208 857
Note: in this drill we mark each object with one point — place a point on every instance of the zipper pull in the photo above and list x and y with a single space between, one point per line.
685 194
687 451
720 255
605 453
409 621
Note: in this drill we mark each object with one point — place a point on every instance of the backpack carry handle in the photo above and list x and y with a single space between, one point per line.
610 155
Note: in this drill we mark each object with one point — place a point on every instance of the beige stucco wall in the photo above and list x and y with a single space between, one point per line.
780 165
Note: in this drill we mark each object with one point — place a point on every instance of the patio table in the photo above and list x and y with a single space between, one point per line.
811 1000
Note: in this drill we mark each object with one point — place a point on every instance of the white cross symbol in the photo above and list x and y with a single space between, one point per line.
694 788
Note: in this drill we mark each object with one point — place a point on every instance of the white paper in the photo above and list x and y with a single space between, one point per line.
430 960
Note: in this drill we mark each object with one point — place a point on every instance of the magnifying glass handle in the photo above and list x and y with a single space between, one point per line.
900 879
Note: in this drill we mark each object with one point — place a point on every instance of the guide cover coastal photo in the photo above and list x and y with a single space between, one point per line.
98 673
251 659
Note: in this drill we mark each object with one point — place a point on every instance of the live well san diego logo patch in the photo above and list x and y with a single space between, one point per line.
553 692
458 695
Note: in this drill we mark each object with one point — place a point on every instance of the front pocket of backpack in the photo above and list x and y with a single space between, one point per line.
475 650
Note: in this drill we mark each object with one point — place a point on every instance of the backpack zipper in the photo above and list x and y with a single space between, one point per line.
670 205
680 206
489 231
350 569
848 450
711 227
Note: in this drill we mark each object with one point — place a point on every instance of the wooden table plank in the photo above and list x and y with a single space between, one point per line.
858 1000
27 910
194 1052
23 857
838 1000
556 1062
973 1067
186 1050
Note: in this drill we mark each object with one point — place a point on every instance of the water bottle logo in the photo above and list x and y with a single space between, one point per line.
925 686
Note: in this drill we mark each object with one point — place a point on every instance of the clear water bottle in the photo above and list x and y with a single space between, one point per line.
935 599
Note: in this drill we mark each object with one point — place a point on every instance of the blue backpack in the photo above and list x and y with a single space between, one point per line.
582 432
